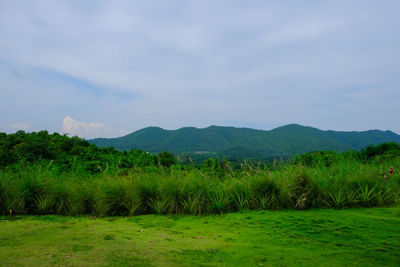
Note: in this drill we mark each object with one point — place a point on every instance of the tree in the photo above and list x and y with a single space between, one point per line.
165 159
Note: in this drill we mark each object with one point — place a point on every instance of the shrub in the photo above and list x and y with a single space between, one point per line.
165 159
265 193
147 193
240 196
219 200
35 189
305 192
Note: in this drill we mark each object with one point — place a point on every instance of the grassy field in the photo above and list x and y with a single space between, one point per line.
319 237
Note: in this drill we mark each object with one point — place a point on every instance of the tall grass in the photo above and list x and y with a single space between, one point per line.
344 183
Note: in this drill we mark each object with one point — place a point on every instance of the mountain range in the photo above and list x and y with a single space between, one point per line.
245 143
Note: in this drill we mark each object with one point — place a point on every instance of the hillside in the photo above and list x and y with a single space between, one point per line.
242 143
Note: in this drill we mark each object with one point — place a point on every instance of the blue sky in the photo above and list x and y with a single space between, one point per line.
107 68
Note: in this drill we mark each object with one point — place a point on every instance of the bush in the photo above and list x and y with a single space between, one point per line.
265 193
305 192
165 159
34 189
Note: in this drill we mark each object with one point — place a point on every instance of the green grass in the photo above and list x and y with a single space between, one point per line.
342 185
317 237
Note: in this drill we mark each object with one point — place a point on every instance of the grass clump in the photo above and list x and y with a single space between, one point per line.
305 193
332 182
265 193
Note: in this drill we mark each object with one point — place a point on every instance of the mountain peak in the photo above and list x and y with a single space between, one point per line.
294 127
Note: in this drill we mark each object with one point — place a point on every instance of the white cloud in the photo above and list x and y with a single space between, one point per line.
21 126
86 129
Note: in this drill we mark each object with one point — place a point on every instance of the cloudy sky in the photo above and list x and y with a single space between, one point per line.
107 68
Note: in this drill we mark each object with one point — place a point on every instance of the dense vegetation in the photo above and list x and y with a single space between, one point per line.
60 153
45 173
239 144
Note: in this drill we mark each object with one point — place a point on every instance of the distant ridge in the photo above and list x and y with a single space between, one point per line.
242 143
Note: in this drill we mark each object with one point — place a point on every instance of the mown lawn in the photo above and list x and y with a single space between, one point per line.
325 237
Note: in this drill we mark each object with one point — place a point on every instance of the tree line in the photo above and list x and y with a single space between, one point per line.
72 153
61 153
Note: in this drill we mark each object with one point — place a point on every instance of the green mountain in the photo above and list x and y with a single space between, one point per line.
245 143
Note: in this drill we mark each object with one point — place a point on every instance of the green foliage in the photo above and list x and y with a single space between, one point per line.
219 199
382 151
147 193
239 144
159 206
265 193
315 159
366 196
165 159
344 184
339 198
240 195
196 195
60 154
69 176
305 192
113 198
216 167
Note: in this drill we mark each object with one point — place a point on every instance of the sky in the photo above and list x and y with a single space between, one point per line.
108 68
